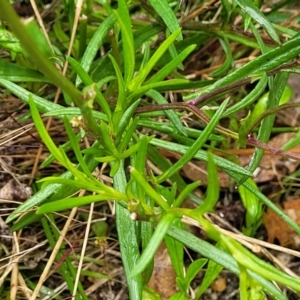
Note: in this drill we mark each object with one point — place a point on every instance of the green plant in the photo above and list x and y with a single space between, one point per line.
148 210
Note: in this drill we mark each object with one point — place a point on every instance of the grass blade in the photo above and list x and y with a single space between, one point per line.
164 10
190 153
127 40
95 43
154 243
226 165
17 73
128 239
252 10
221 257
263 63
168 68
267 123
139 79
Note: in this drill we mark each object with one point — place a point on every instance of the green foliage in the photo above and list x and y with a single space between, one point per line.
254 209
121 94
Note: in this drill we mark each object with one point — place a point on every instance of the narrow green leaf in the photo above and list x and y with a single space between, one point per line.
65 147
103 68
77 151
252 10
228 58
158 235
168 68
267 123
128 135
107 142
87 81
80 71
221 257
212 271
139 79
225 164
25 220
247 259
140 180
61 112
164 10
213 189
178 296
158 159
263 63
169 128
193 269
70 203
173 52
144 202
41 103
95 43
260 111
262 46
121 87
146 55
176 252
13 72
146 235
161 85
125 120
265 200
293 142
123 18
254 209
188 155
244 282
44 133
251 97
99 188
185 192
128 239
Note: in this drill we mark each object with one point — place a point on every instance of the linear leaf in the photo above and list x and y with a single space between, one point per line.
252 10
95 43
154 243
225 164
191 152
139 79
164 10
221 257
263 63
16 73
127 40
128 239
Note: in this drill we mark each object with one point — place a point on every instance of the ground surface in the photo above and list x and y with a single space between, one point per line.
19 148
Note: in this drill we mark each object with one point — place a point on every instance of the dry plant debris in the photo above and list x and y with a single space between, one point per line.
17 157
163 280
278 230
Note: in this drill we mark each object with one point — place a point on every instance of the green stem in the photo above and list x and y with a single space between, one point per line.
41 61
46 67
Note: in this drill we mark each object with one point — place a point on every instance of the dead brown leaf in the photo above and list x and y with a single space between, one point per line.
163 280
277 229
14 191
